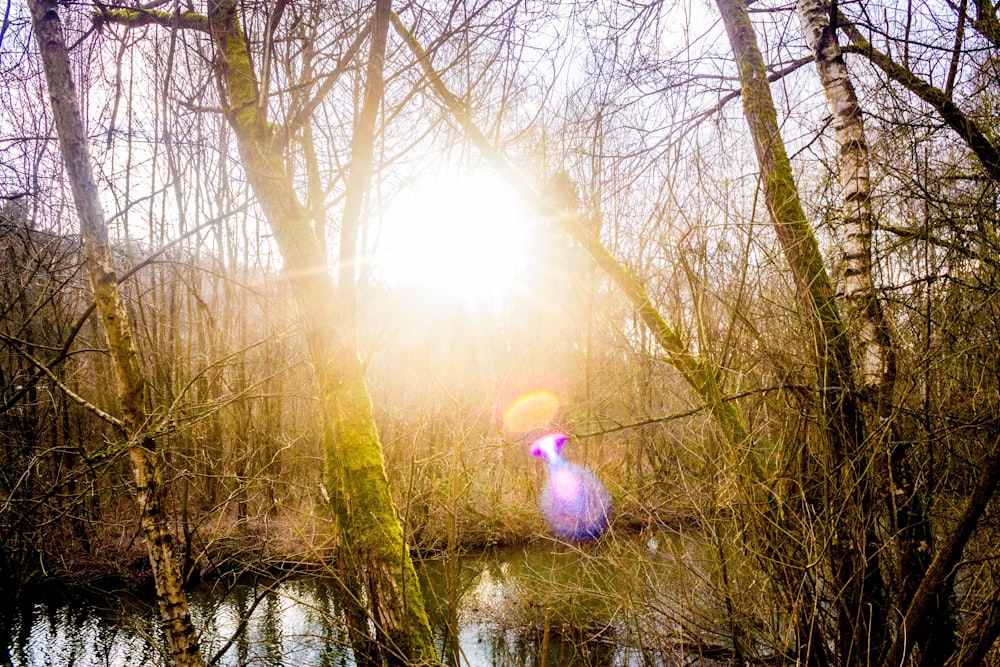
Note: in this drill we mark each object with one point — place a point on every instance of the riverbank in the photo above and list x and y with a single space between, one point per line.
113 557
578 605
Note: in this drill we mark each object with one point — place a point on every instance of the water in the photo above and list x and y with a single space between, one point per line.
551 605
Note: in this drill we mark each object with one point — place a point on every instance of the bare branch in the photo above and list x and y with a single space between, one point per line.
958 120
43 369
946 559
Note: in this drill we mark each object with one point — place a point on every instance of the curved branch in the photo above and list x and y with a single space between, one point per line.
946 559
43 369
958 120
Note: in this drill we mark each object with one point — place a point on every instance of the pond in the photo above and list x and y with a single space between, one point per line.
618 603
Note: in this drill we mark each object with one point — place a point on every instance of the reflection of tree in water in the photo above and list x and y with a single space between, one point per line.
560 644
271 629
290 622
241 607
507 609
550 604
77 632
332 633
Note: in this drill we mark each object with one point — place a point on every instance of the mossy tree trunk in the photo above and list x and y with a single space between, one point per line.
374 534
380 580
853 555
182 638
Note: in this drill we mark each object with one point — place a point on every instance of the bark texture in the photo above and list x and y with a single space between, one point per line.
870 334
182 639
854 548
376 568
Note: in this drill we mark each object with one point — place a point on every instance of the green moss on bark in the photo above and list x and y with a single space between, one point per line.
375 564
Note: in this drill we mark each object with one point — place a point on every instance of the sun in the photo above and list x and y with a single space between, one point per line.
454 236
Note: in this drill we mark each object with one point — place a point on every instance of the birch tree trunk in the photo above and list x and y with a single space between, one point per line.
853 556
874 349
182 638
375 564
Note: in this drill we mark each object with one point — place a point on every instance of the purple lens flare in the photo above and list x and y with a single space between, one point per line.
574 502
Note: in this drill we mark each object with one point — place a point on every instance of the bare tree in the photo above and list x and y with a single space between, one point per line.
377 569
131 385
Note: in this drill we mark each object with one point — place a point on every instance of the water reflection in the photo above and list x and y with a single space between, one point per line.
288 622
74 633
546 607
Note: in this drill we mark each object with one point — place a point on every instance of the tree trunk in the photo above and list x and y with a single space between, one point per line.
871 340
182 638
376 538
853 555
377 571
373 541
870 334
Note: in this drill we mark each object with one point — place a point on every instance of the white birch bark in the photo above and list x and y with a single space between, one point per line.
874 359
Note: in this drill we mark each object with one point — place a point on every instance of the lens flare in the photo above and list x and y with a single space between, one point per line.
574 502
532 411
567 487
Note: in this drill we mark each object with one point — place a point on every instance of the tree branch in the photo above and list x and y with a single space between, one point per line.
701 375
986 22
134 18
329 80
968 129
945 560
45 370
